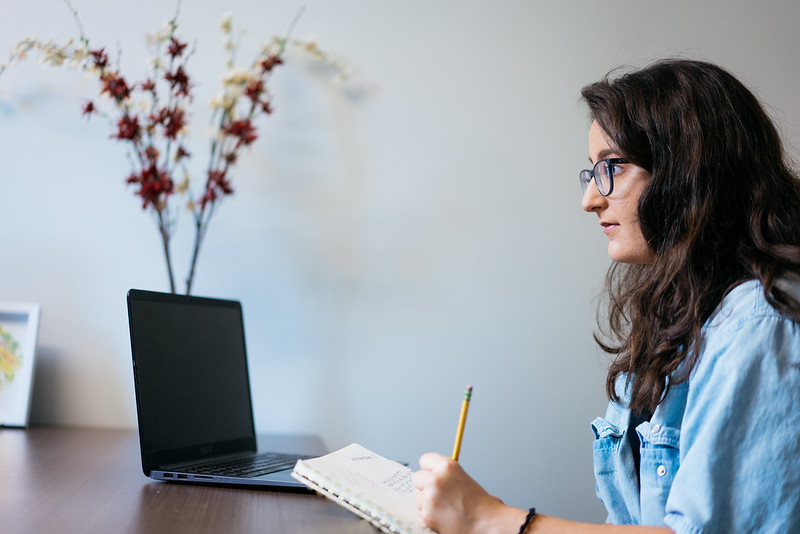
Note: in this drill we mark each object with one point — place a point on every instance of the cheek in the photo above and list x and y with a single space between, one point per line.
630 211
633 245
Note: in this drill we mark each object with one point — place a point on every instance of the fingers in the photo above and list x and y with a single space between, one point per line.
443 467
447 497
428 481
422 479
428 493
438 476
433 461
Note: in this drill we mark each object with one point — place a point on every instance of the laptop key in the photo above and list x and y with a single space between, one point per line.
261 464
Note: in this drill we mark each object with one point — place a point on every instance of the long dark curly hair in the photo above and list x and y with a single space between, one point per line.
722 207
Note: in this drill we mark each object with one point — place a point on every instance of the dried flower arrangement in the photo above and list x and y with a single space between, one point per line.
150 116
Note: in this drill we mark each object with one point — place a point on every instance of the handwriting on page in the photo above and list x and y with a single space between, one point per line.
400 482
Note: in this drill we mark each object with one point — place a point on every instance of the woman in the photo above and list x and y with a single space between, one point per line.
702 213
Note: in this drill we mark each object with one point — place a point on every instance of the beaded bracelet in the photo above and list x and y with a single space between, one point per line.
528 518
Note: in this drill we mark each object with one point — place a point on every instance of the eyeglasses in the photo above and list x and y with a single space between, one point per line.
603 174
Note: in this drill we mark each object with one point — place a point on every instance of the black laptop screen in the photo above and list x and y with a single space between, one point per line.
190 369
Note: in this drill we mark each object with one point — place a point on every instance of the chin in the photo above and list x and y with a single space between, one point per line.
627 255
633 259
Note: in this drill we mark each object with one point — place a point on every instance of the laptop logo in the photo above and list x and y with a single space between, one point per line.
207 449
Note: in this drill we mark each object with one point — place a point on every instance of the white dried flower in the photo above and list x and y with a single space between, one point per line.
237 77
272 47
54 55
230 98
311 47
227 23
162 35
156 63
92 70
79 55
184 185
22 49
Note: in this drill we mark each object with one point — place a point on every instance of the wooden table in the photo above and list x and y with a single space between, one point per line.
90 481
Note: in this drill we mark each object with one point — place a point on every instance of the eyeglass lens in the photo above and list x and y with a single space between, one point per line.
600 173
601 176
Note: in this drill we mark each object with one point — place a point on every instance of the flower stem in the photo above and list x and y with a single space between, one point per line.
200 228
74 13
165 235
198 238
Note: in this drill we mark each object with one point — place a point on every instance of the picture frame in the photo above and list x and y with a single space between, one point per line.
19 326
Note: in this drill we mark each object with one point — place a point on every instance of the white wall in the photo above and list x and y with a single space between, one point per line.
391 240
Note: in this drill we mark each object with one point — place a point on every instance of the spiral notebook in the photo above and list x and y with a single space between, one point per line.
369 485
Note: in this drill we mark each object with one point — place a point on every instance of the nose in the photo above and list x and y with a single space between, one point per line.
592 199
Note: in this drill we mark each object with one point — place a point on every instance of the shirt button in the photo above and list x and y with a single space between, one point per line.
655 429
661 470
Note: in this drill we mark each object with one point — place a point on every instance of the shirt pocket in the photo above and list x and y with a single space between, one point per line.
660 460
613 481
608 438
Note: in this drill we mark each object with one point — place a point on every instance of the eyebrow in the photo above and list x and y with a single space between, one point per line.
604 154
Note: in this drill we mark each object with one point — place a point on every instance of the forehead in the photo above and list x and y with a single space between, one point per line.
599 144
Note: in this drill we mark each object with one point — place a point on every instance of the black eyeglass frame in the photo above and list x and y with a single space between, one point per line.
610 162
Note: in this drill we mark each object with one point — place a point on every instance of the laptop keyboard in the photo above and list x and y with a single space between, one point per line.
252 466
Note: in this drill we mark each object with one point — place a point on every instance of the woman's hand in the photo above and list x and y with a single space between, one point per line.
452 502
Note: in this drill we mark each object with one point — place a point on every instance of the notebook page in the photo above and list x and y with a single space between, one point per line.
378 488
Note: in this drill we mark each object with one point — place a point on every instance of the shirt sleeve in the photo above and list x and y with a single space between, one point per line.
740 436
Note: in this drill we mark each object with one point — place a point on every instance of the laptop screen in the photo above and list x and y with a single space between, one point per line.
190 369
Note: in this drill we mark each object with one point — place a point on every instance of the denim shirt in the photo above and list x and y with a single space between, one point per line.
721 452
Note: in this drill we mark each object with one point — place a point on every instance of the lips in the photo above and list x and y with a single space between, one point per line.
609 227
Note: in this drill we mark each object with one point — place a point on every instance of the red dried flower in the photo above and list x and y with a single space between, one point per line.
115 86
176 120
181 153
128 128
154 186
266 107
171 119
267 64
148 85
176 47
219 181
216 186
151 153
254 89
209 198
178 81
243 129
89 108
99 58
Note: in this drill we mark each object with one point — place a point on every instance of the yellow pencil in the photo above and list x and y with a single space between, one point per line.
461 422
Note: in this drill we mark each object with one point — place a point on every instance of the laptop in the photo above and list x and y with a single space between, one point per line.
193 394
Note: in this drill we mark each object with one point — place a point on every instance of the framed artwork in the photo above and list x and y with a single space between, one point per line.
19 323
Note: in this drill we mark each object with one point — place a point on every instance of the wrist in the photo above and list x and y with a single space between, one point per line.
502 520
528 520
